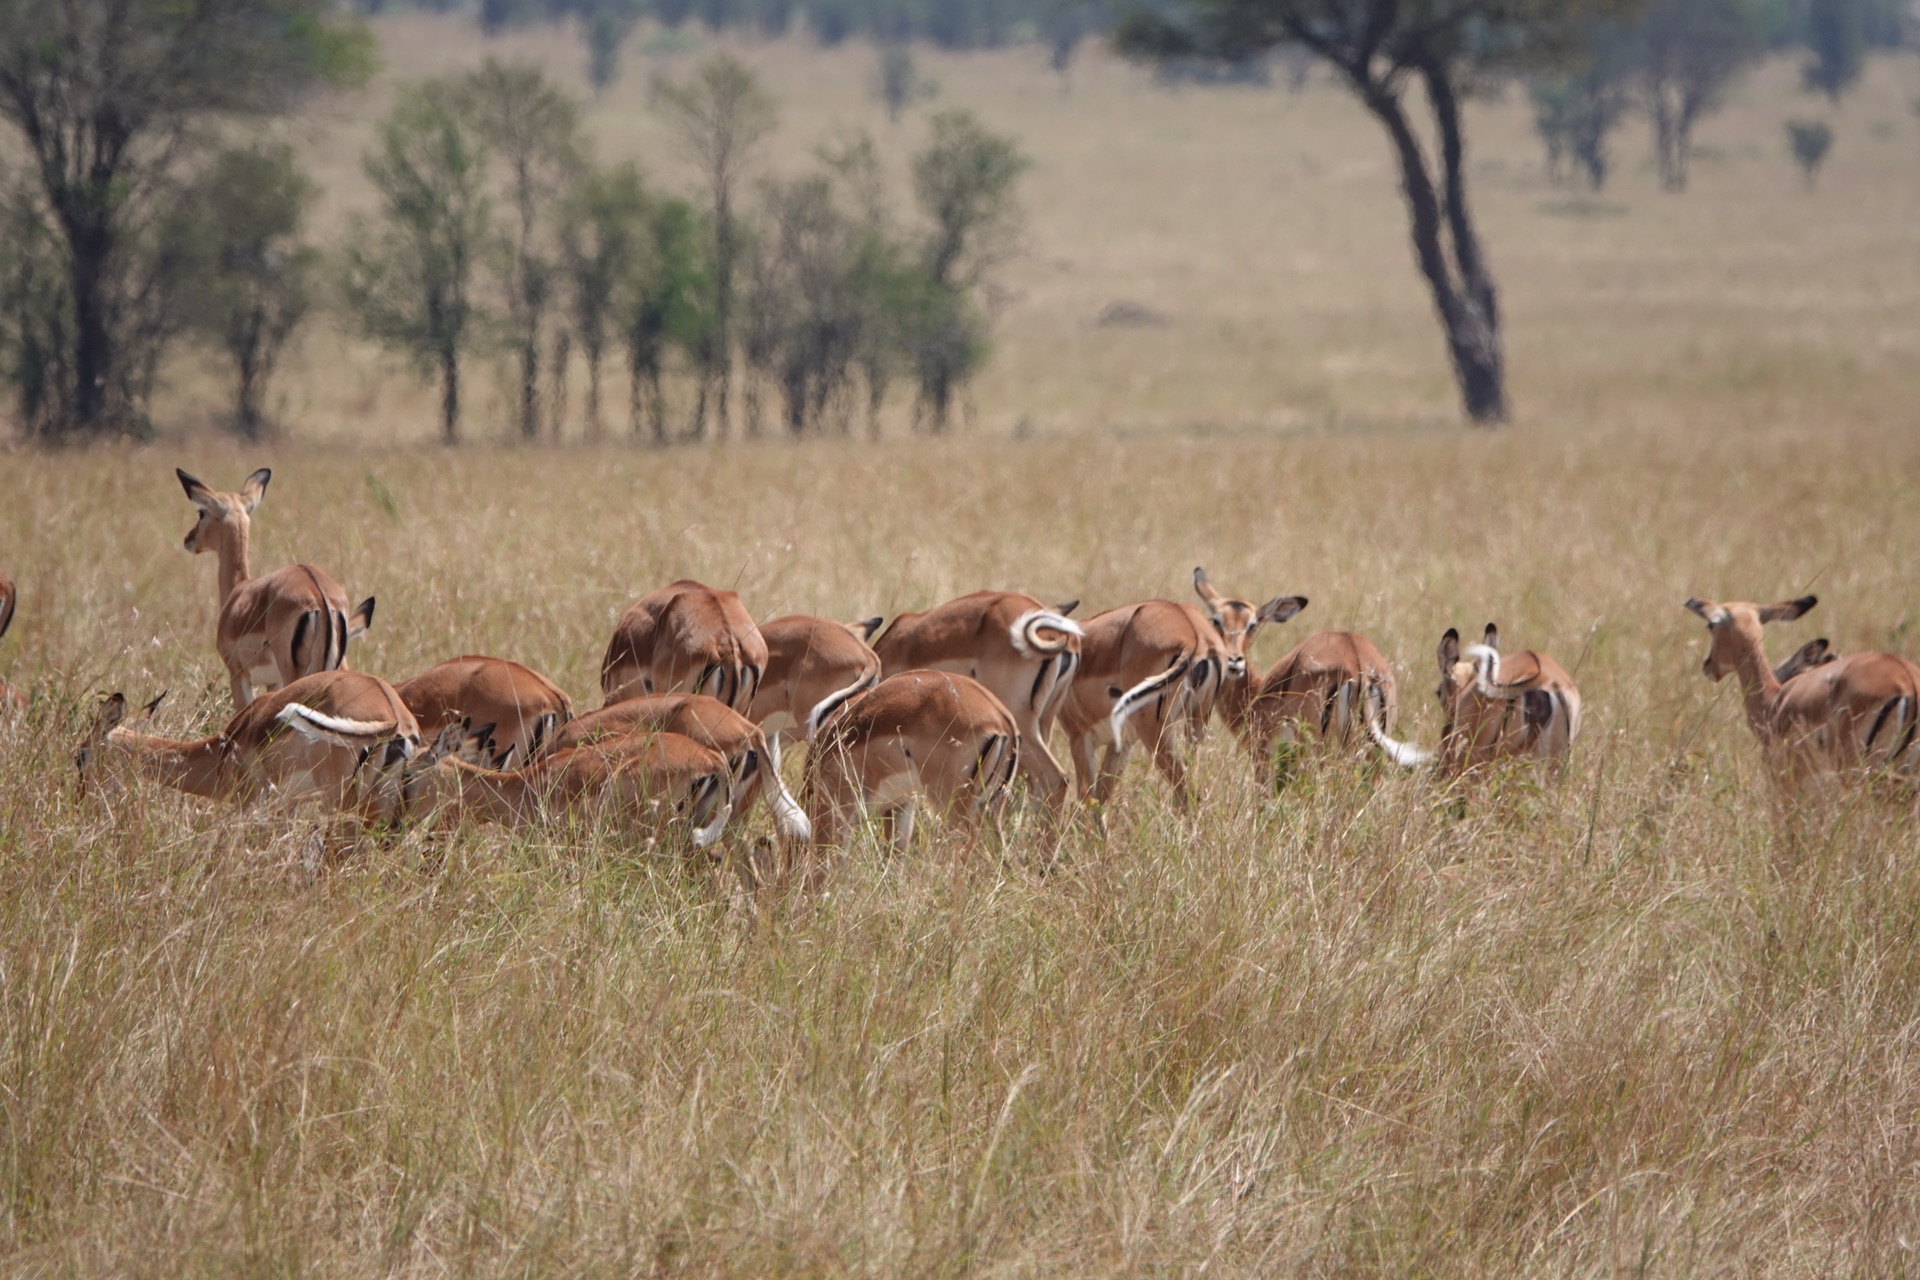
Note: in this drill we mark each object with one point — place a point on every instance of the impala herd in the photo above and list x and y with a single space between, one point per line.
942 707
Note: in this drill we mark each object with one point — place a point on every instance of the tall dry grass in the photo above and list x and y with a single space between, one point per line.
1638 1022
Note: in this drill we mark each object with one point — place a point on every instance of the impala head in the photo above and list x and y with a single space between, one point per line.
109 718
1237 620
1468 670
223 516
411 787
1735 628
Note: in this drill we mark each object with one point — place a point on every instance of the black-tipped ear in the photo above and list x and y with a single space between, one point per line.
197 491
866 627
1281 608
1491 637
153 706
1449 650
360 621
113 709
1066 610
1698 606
1788 610
255 488
1204 589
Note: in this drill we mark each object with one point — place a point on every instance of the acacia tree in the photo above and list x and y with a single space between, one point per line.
1382 49
410 277
108 98
533 130
722 115
1684 55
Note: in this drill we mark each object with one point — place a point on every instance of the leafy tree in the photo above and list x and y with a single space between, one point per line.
964 183
603 233
36 313
1381 49
259 285
663 303
108 102
1576 112
898 83
410 278
1685 55
1836 46
533 130
1809 140
606 25
722 115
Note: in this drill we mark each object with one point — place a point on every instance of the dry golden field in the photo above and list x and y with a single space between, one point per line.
1641 1022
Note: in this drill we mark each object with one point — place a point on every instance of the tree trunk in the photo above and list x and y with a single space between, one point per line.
530 386
1445 244
92 342
557 401
450 396
594 357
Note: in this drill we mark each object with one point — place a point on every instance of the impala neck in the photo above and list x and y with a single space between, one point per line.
486 795
197 768
234 568
1236 699
1760 688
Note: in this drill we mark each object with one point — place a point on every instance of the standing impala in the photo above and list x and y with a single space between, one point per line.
282 625
319 735
924 733
1861 709
685 637
808 661
1022 651
525 708
1145 668
1498 707
11 699
713 724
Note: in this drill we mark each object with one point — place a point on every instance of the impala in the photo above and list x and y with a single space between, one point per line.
524 707
282 625
808 661
1861 709
1146 667
712 724
924 733
316 736
11 699
647 781
1023 652
1497 707
686 637
1334 686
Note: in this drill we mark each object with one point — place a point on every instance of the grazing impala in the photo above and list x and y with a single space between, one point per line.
924 733
524 707
1503 707
1334 686
1023 652
11 699
318 736
711 723
808 661
689 638
645 781
1862 709
282 625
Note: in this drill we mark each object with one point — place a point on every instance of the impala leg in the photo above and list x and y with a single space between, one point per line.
1084 770
242 690
1040 767
1174 769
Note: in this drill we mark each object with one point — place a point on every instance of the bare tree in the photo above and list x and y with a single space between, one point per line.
1381 49
107 100
722 115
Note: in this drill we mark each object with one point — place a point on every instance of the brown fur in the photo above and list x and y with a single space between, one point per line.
973 636
686 637
282 625
808 661
11 699
1859 710
524 707
1529 709
923 733
1325 688
257 752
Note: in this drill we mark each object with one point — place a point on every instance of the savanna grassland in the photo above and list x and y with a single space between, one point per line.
1641 1021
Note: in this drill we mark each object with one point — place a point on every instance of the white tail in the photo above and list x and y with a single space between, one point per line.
317 726
832 702
708 836
1404 754
1029 632
1143 693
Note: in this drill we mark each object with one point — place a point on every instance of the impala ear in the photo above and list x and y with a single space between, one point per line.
1281 608
146 713
1491 637
447 741
360 621
864 629
1449 650
1710 613
1204 589
1787 610
255 488
197 491
1066 610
